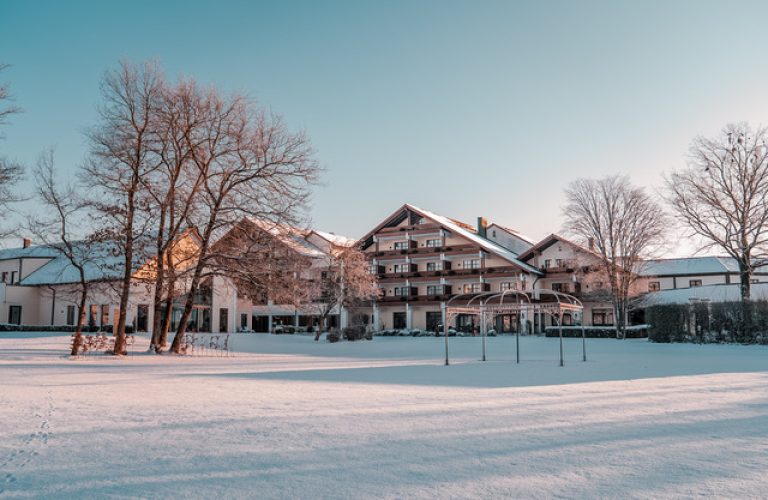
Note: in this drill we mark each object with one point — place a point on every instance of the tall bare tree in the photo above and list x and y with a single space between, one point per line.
172 190
722 196
121 156
250 165
625 225
61 229
10 172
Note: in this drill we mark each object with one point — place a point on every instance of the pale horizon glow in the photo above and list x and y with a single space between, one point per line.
466 109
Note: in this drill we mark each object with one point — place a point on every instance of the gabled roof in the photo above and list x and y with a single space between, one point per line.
551 240
463 230
512 232
294 238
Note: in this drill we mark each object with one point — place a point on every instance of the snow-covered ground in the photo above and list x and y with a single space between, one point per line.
291 418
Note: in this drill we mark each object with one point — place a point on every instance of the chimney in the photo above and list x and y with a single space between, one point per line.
27 242
591 243
482 227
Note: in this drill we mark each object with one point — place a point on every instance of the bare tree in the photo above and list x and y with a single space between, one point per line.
10 172
625 226
250 165
344 282
121 156
722 196
60 229
172 190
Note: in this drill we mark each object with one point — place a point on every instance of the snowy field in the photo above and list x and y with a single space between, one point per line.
292 418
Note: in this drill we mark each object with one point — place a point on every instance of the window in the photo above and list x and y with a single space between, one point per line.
13 277
434 243
372 269
398 320
434 266
493 233
558 262
567 319
694 283
244 321
5 277
508 285
402 268
602 317
402 291
434 320
522 285
142 317
223 320
547 263
473 288
401 245
654 286
14 315
561 287
70 315
434 289
472 264
323 275
104 314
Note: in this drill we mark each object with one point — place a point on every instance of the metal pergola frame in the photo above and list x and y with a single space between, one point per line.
484 306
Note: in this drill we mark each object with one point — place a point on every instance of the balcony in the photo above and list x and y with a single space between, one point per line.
448 250
389 299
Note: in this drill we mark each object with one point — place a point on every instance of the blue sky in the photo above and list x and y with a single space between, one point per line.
463 108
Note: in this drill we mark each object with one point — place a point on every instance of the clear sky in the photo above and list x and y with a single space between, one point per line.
464 108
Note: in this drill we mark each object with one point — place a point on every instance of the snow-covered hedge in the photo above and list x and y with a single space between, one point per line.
598 332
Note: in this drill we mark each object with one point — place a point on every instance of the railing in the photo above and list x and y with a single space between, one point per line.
485 271
448 249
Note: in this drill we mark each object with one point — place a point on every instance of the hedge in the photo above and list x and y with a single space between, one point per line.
703 322
597 332
5 327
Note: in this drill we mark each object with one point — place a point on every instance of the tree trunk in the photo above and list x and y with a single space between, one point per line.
745 286
78 341
127 274
166 327
157 300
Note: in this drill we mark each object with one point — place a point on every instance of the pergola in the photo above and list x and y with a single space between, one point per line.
487 305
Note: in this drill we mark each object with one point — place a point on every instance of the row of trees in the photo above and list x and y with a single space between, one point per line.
721 197
170 163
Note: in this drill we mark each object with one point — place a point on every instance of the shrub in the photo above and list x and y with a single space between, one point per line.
353 333
333 335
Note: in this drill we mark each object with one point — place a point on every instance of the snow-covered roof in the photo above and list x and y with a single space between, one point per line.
292 237
336 239
103 261
713 293
551 240
38 251
689 266
483 243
